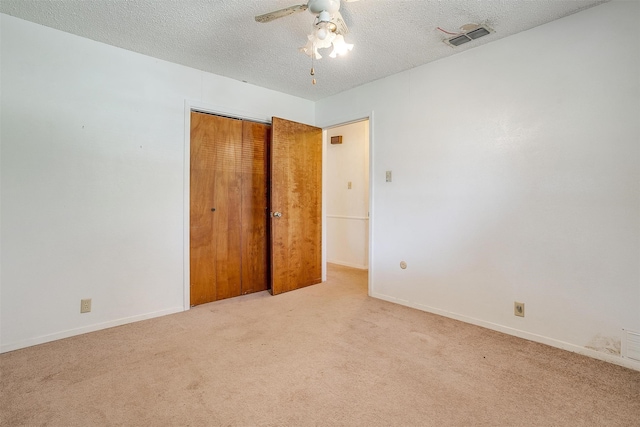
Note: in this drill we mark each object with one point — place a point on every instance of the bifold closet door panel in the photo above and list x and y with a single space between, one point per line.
227 216
255 238
215 204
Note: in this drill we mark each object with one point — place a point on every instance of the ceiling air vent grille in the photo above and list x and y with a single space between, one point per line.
469 33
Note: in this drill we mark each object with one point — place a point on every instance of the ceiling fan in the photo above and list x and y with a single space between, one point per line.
328 28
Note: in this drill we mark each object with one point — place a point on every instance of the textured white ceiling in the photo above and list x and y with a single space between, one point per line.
221 36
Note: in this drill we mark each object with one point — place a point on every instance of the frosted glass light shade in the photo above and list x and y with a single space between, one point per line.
340 47
322 37
310 50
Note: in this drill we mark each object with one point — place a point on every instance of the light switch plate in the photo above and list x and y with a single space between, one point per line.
388 176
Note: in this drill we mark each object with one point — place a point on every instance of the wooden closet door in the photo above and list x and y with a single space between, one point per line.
255 204
296 200
215 220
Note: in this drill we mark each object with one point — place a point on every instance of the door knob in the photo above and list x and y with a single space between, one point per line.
277 214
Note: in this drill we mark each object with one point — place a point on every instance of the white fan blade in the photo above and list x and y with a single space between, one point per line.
268 17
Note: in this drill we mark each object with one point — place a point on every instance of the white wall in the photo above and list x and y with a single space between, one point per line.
92 179
516 177
347 209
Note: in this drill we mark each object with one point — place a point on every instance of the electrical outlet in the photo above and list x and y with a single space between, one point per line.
85 305
518 309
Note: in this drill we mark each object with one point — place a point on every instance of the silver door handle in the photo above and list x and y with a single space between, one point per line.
276 214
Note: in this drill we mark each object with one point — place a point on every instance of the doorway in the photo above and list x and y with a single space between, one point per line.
347 194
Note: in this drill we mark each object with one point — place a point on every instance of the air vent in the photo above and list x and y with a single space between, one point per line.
469 32
457 41
476 34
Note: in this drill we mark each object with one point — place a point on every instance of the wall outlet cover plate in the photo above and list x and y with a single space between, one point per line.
85 305
518 309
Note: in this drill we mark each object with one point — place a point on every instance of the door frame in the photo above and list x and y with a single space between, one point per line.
342 120
202 107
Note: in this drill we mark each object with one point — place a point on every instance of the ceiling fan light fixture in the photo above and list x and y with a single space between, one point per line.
328 29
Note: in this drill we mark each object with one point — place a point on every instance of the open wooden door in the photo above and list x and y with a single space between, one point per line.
296 205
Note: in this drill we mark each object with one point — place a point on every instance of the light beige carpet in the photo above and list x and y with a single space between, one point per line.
324 355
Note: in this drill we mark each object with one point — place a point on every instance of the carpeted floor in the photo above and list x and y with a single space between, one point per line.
323 355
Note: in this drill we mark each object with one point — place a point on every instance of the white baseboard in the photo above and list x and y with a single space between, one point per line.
85 329
616 360
347 264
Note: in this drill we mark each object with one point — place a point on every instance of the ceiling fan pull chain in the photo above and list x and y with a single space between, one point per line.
313 71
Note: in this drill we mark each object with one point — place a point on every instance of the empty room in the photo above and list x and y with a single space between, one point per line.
355 213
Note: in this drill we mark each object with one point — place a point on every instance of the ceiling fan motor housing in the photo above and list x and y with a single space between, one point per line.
317 6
